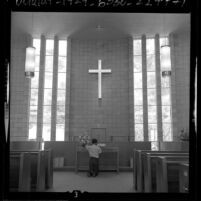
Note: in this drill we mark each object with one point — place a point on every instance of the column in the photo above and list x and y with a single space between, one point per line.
67 106
173 88
54 90
158 88
28 91
131 89
41 89
144 86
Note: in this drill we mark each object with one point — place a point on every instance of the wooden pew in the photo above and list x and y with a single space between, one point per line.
20 172
37 169
167 169
48 168
184 177
149 168
138 167
48 163
135 159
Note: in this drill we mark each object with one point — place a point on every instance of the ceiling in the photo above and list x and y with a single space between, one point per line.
84 25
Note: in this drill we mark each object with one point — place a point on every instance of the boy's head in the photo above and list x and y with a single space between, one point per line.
94 141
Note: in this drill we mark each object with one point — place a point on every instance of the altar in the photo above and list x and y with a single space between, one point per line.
108 161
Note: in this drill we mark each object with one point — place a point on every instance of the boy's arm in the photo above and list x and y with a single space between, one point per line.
87 146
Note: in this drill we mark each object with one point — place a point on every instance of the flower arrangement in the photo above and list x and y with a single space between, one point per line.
183 135
84 140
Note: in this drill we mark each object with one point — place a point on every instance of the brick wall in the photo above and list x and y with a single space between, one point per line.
86 110
19 89
181 63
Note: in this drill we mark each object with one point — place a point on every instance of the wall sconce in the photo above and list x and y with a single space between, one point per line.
165 58
30 57
30 62
165 53
165 48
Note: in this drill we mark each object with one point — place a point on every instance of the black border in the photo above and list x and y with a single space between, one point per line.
191 7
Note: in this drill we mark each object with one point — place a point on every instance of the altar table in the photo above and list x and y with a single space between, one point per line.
108 161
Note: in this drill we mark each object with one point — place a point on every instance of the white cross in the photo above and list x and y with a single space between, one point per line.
99 71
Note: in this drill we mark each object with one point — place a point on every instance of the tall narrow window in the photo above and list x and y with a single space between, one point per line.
33 108
166 91
138 91
48 90
53 107
61 90
152 85
151 90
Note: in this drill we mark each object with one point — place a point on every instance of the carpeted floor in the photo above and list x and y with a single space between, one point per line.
105 182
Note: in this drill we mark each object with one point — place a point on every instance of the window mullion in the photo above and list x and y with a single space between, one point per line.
144 86
41 88
158 88
67 136
174 119
54 90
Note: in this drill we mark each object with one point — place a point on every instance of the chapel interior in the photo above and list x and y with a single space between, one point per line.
122 78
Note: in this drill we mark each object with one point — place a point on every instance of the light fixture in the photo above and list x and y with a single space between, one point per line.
165 54
165 48
30 62
30 59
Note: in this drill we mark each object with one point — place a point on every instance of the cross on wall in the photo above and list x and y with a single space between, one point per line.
99 71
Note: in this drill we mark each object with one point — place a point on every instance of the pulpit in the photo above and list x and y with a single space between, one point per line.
108 161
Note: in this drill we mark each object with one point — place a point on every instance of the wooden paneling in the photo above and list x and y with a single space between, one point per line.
174 146
25 145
